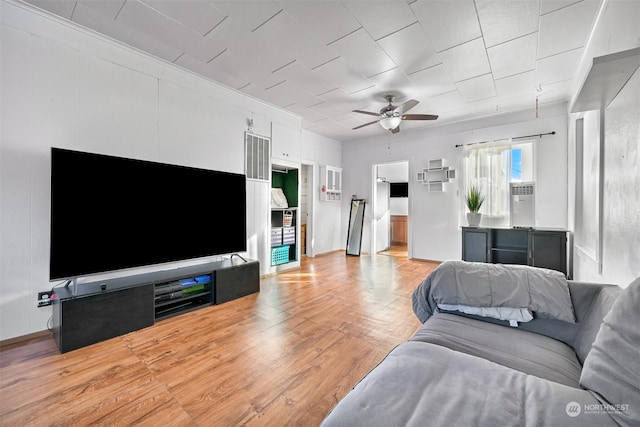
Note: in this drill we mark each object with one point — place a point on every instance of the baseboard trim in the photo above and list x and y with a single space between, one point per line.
20 339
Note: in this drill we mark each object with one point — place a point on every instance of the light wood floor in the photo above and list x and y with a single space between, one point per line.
281 357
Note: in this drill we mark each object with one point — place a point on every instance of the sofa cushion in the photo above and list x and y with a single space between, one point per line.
612 368
542 291
420 384
524 351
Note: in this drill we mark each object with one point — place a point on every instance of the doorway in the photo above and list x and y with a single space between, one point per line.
391 209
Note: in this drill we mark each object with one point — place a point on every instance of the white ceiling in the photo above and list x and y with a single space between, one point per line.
321 59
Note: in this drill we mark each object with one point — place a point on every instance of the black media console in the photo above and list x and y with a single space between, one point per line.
109 308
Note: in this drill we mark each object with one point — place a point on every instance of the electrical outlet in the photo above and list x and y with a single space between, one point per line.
45 298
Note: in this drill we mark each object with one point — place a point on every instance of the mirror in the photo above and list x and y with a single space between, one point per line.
356 221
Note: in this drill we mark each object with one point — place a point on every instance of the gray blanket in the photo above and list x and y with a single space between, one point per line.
544 292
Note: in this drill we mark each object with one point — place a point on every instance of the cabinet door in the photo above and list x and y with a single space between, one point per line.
475 245
285 143
398 229
548 249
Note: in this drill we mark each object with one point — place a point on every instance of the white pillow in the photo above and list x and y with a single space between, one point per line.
512 314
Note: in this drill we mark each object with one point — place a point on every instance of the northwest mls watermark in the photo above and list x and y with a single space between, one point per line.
573 409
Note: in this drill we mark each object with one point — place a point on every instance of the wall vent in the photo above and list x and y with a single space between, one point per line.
257 157
521 189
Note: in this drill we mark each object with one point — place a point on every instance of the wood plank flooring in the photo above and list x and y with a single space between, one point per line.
281 357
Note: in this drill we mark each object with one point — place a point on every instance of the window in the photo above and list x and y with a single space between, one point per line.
492 166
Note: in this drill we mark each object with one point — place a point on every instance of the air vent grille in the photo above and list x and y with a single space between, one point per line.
257 157
521 190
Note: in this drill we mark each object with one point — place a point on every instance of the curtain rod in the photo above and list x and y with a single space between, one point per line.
517 137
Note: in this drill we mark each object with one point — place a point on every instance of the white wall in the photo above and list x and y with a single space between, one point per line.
616 30
317 151
63 86
434 227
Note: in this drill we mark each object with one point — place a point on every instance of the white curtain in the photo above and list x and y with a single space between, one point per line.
488 166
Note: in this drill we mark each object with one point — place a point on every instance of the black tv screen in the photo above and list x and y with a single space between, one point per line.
110 213
399 189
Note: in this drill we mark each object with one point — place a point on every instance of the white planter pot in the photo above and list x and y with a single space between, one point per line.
473 218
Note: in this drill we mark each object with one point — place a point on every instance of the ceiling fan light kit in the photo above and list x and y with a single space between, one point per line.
391 116
390 123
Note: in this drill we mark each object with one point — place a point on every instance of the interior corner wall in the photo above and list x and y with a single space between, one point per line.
616 30
620 240
64 86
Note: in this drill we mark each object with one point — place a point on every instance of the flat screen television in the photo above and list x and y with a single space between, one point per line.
111 213
399 189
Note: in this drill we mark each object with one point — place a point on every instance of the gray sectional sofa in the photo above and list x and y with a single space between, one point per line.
471 370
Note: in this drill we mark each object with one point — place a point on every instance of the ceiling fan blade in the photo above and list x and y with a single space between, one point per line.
419 117
366 124
402 108
366 112
395 129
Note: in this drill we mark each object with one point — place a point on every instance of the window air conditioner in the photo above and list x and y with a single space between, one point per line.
522 204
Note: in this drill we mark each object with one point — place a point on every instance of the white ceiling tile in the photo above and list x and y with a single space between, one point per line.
297 53
484 106
303 77
340 99
433 81
305 112
518 103
235 64
410 49
124 33
477 88
249 14
368 93
283 32
284 94
466 60
255 49
547 6
395 80
342 75
555 91
381 18
157 25
363 54
63 8
448 23
234 81
506 20
108 8
314 16
446 102
328 110
513 57
212 72
557 68
516 85
566 28
199 15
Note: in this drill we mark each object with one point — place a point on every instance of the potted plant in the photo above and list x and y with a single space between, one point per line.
474 199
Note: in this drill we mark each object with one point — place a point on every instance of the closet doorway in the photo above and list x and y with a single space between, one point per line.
391 209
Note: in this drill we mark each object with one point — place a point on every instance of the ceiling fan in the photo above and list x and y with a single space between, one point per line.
390 116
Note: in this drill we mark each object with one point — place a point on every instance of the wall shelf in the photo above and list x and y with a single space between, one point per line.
607 76
436 175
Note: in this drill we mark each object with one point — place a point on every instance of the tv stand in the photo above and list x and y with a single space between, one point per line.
92 312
